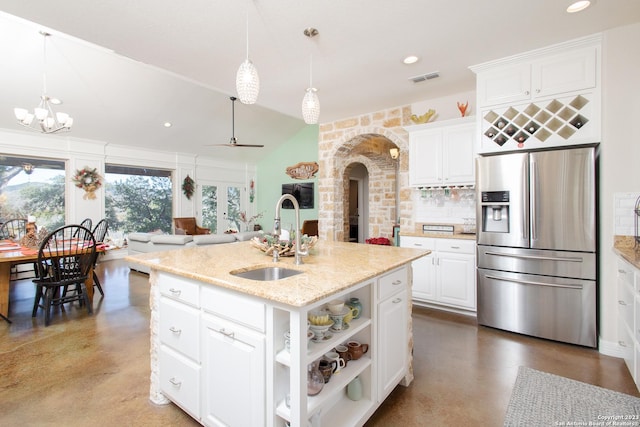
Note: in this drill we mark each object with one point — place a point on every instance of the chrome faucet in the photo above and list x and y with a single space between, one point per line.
277 228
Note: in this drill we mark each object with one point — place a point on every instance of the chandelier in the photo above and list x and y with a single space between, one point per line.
310 102
247 80
46 119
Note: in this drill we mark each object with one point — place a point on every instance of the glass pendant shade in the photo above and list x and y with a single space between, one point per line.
311 106
247 82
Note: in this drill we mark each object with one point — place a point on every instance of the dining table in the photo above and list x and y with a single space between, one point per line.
12 254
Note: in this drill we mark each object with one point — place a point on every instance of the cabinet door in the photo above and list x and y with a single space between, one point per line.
504 85
233 374
459 155
457 279
392 342
425 162
568 72
424 269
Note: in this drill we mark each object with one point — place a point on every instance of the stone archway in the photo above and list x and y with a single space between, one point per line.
347 142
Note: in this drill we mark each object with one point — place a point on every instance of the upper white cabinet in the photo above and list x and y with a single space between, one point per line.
551 76
540 99
442 153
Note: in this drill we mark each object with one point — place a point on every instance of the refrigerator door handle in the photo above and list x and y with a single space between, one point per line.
525 204
536 257
529 282
533 217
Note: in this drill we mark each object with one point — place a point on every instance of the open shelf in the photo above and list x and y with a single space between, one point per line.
317 349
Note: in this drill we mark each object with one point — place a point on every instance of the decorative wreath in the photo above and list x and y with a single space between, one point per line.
188 187
89 180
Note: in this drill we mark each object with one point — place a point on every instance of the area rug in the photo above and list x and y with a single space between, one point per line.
542 399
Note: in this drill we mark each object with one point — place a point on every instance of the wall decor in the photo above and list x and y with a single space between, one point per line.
463 108
424 118
303 170
188 187
89 180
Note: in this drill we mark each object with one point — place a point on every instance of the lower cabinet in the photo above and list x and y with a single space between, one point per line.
392 335
628 315
447 276
233 374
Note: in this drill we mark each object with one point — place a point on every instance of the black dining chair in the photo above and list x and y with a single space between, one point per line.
99 232
65 259
13 229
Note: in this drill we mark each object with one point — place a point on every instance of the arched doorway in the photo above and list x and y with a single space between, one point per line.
365 140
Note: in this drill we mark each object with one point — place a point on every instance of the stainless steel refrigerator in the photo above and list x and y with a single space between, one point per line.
537 261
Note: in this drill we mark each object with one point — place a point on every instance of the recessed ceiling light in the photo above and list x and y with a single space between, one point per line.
55 101
411 59
579 5
167 124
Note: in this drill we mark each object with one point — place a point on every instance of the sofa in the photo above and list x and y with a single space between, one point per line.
142 243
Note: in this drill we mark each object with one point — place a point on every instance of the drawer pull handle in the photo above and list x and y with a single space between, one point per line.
226 334
175 330
455 247
175 383
621 302
622 271
396 282
397 300
417 244
176 292
622 344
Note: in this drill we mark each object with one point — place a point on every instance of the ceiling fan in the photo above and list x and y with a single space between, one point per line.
233 142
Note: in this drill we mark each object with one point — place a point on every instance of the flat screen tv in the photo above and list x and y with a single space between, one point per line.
303 193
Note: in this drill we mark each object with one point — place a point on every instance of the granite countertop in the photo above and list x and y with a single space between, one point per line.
624 246
331 267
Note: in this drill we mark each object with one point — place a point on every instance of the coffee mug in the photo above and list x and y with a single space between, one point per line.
327 367
356 350
332 356
343 351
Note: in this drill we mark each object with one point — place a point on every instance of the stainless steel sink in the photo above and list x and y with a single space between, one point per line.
266 273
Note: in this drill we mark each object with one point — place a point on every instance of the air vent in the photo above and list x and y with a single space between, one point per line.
423 77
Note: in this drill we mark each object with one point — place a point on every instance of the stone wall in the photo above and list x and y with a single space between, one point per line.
366 140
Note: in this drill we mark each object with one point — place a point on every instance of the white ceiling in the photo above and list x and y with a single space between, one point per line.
123 67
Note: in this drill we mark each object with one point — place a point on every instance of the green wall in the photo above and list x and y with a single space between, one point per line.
271 174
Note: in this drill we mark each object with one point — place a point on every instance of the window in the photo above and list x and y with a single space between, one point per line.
138 199
33 186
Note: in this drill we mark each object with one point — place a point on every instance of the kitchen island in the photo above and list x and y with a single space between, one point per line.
217 340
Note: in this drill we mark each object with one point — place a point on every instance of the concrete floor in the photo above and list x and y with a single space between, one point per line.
94 370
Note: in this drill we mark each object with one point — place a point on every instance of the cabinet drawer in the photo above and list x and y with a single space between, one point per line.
179 327
180 380
179 289
456 246
418 242
391 283
238 308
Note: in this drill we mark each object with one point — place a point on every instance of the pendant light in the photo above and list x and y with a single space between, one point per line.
310 102
247 80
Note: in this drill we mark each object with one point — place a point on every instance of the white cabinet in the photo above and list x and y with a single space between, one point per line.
179 355
627 314
392 331
233 389
442 153
447 277
552 75
540 99
424 269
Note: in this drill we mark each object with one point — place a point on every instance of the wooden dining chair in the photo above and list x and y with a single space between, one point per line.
99 233
64 262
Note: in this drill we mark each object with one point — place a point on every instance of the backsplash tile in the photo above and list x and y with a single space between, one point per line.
435 207
624 217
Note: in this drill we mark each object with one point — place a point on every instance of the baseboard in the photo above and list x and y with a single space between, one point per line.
444 308
610 348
